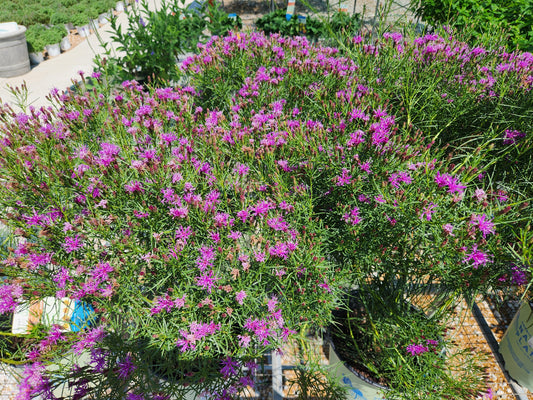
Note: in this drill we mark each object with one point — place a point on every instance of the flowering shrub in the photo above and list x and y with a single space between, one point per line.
368 174
130 205
458 95
482 17
411 353
400 217
205 223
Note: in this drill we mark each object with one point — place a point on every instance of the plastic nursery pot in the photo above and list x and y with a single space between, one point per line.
83 31
53 50
65 44
36 58
93 25
516 347
358 387
104 18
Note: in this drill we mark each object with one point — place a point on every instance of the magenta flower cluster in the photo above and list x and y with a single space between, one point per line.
212 231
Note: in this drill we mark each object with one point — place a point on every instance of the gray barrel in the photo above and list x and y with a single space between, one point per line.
14 59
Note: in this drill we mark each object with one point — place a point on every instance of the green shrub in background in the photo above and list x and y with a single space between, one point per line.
80 19
154 39
276 22
55 34
343 23
329 27
49 12
220 23
61 16
515 16
38 36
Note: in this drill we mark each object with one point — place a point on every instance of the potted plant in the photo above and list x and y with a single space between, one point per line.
120 7
206 271
53 37
62 16
81 22
276 22
36 42
514 346
389 214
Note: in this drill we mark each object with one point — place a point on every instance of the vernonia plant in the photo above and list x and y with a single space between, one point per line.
414 231
204 223
182 251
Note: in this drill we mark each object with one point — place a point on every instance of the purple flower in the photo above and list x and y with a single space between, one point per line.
107 153
379 199
81 169
519 276
206 281
240 296
125 367
10 295
416 349
244 340
263 207
101 271
243 215
272 304
134 186
428 211
179 212
484 225
143 110
400 177
452 182
229 367
36 260
448 229
241 169
98 359
352 217
89 339
480 195
260 256
235 235
358 114
395 36
344 178
183 233
72 244
278 224
477 257
511 136
162 303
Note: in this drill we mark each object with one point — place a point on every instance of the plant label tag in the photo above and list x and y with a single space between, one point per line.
290 9
48 311
343 6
